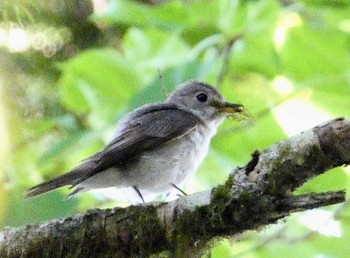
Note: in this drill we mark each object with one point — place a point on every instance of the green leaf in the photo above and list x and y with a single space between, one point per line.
99 81
20 211
233 17
169 16
331 246
309 52
160 87
62 148
333 180
327 3
150 50
332 94
299 249
255 53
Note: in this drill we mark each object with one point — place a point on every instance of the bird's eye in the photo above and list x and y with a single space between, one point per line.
202 97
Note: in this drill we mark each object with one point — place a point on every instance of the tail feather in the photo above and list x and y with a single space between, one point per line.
70 178
76 191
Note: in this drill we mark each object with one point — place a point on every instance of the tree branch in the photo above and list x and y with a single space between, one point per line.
253 196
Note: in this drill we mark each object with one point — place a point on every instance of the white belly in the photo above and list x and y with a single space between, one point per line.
155 171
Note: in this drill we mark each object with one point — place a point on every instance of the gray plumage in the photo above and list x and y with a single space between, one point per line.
154 147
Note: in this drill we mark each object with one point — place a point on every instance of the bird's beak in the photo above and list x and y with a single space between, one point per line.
231 108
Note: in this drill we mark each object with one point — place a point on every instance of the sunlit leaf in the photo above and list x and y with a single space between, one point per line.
98 81
20 211
309 52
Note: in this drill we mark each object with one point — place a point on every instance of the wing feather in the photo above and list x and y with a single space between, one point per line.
143 132
147 128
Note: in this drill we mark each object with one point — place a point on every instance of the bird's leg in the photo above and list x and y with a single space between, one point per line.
177 188
138 192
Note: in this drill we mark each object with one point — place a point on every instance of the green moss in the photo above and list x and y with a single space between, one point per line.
200 223
276 178
291 170
148 234
226 215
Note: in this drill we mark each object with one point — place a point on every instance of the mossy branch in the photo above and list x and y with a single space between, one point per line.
253 196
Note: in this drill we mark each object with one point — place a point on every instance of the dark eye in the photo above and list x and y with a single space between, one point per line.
202 97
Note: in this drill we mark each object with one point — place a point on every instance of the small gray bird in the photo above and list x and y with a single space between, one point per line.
156 148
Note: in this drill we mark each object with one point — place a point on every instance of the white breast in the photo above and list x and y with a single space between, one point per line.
176 162
155 171
202 138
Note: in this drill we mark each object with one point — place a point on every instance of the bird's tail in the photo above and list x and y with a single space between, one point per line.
71 178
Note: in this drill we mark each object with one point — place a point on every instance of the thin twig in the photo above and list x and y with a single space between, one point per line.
226 55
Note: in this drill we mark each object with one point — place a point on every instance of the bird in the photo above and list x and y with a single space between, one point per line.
156 148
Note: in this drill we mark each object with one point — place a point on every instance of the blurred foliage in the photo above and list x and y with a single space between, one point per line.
69 70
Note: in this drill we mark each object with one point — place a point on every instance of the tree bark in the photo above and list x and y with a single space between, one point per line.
253 196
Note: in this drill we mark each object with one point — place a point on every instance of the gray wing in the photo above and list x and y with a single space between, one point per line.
147 128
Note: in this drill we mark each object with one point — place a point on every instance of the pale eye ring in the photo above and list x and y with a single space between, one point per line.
202 97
